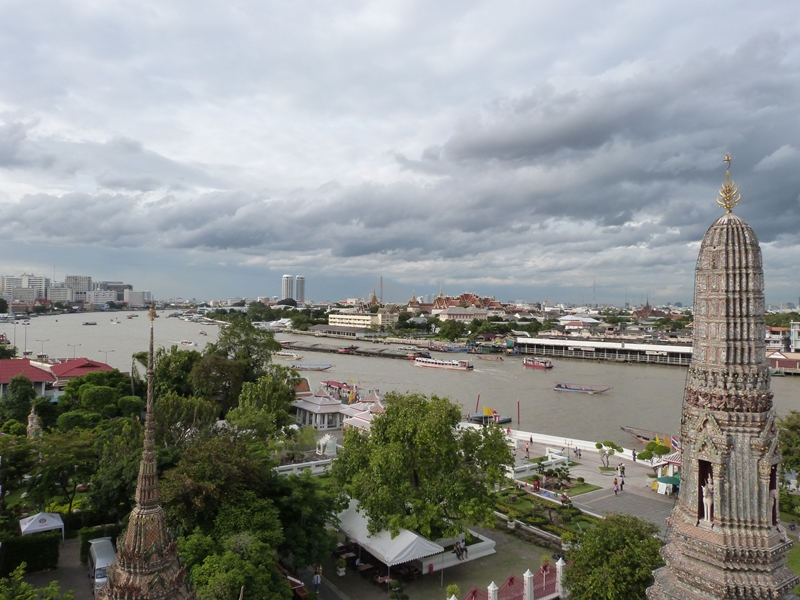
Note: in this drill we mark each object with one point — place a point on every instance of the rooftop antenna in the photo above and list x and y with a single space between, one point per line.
381 290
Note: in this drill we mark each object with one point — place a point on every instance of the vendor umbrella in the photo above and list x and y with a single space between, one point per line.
669 480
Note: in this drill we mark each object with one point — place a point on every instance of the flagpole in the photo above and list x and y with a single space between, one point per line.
477 402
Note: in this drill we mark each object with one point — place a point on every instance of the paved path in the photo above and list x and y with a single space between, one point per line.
70 574
637 498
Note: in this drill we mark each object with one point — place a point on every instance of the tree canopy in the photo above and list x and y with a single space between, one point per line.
614 560
419 470
16 402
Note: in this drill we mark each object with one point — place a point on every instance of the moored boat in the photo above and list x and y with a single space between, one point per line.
453 365
201 332
418 354
492 358
646 436
347 349
485 418
534 362
288 354
581 388
90 322
321 367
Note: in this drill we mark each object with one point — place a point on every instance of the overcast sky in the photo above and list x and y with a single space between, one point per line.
526 149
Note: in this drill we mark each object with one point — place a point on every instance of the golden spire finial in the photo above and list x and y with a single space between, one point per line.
729 196
152 312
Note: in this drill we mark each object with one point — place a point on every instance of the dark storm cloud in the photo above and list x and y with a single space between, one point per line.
483 143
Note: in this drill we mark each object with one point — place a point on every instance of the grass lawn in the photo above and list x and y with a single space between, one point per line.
794 563
607 469
583 488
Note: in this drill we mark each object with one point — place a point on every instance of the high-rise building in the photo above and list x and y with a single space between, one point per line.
79 284
725 536
300 289
287 287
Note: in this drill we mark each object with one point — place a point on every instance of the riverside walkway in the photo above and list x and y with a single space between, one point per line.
637 498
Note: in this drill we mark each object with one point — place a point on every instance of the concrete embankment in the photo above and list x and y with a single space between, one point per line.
377 351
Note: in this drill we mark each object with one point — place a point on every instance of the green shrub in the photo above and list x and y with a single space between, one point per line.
512 498
39 552
580 480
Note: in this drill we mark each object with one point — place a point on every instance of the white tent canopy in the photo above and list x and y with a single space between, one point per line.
407 546
41 522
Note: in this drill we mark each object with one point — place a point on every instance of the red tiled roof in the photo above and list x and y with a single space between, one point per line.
11 367
77 367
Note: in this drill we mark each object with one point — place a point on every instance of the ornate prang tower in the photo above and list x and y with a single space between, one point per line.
147 566
725 537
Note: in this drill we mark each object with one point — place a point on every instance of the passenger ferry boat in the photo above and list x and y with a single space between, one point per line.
534 362
435 363
4 339
288 354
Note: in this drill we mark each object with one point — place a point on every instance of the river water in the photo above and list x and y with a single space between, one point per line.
643 396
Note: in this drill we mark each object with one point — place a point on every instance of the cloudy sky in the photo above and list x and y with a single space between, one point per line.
526 149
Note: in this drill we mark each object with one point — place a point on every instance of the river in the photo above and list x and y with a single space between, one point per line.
643 396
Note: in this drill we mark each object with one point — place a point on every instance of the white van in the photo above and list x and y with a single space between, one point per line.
101 556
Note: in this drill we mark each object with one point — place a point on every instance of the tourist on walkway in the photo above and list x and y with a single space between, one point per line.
317 580
616 486
621 470
621 484
457 550
464 551
633 452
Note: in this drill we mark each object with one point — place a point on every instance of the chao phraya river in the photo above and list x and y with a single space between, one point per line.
643 396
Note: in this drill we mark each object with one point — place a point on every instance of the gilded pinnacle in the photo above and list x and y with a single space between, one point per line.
729 195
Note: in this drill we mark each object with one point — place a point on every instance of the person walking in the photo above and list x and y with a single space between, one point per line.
616 486
634 455
621 484
622 470
317 580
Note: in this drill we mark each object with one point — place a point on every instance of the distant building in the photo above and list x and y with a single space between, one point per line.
137 298
300 289
60 293
287 287
100 297
80 286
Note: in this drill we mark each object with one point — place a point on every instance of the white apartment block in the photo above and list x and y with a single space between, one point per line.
59 294
300 289
364 320
80 285
100 297
136 298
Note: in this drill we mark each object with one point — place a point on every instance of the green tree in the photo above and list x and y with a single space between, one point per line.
782 319
14 428
451 330
114 481
78 419
607 450
3 306
97 397
264 405
18 459
219 379
244 343
8 351
210 473
419 470
67 461
178 419
789 427
14 587
172 369
16 402
306 508
614 560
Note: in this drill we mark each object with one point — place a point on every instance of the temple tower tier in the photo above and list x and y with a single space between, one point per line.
725 537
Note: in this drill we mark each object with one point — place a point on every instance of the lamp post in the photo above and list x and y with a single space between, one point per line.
25 352
73 346
43 341
105 353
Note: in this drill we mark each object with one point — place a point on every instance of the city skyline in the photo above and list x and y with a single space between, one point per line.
525 151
